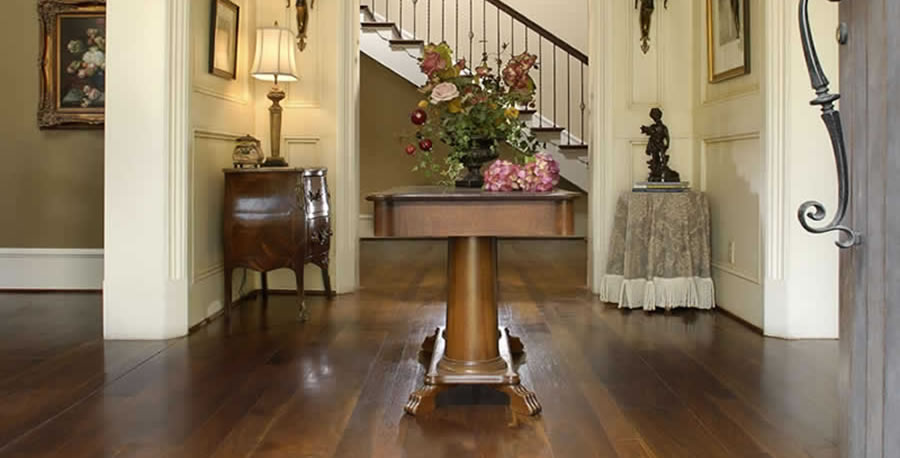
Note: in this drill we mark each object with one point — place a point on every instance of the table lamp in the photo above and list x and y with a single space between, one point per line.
275 61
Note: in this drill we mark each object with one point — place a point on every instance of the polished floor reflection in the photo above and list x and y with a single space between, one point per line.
612 383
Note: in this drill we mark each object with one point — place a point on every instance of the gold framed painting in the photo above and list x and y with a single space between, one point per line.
73 63
223 38
728 38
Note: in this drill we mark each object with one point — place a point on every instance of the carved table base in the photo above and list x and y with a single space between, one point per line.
471 351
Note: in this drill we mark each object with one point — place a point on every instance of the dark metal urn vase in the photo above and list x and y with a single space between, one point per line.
482 153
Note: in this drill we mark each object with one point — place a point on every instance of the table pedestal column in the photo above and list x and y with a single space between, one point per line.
472 350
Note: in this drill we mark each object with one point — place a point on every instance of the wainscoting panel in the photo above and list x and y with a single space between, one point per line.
732 176
210 153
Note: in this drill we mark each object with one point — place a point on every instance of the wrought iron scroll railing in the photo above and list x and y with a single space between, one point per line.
477 27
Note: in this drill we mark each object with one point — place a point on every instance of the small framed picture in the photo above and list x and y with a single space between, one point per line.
223 38
728 38
73 63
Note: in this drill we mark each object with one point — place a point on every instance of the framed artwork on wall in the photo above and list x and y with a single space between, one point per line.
728 38
73 63
223 38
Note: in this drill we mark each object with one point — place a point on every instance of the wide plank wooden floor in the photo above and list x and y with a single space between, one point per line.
612 383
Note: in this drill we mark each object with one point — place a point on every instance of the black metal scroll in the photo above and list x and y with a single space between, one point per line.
813 210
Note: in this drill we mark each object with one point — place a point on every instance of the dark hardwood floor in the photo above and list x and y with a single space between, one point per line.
612 383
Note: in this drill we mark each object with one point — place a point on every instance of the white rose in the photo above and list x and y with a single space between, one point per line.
444 92
94 56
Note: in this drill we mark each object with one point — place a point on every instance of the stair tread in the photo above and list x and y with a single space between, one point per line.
382 25
573 146
407 42
547 129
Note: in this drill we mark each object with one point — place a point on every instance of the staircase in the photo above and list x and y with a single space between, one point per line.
394 33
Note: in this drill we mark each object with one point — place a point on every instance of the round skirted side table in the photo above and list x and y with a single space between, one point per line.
659 253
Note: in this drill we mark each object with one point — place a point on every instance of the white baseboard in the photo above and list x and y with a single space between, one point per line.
56 269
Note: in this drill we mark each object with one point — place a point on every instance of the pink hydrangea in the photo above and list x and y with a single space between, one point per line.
545 172
539 175
500 177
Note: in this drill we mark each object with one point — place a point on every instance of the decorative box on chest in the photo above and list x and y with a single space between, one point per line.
276 218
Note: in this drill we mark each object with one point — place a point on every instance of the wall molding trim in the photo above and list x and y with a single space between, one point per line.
602 195
776 112
51 269
199 274
346 196
242 100
718 140
731 270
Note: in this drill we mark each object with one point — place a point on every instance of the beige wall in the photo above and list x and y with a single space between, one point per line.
731 170
567 19
221 111
51 181
384 131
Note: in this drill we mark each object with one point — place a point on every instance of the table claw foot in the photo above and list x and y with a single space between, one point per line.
423 400
521 400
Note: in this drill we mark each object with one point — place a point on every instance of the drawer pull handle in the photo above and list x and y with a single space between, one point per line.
322 236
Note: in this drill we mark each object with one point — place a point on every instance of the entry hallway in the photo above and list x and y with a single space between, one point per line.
612 383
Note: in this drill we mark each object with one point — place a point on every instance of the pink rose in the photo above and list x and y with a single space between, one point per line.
433 63
444 92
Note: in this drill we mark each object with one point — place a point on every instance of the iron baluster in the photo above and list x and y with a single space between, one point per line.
569 99
540 79
415 20
484 28
401 19
814 210
443 20
429 20
582 106
555 72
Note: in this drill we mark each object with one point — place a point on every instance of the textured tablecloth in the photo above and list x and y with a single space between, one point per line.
659 254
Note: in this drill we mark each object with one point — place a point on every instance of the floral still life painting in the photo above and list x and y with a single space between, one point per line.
472 112
84 60
73 63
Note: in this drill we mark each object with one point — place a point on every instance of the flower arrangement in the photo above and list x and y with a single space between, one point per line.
88 66
539 175
471 112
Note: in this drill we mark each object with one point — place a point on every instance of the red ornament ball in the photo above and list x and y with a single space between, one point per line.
410 150
426 145
419 117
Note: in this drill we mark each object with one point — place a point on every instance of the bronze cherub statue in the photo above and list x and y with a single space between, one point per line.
657 149
302 20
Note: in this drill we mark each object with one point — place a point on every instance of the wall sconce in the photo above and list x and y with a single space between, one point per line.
302 20
646 7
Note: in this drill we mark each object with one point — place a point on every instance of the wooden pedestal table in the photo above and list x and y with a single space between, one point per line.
472 350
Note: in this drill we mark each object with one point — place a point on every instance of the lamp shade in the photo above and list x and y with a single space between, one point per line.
274 58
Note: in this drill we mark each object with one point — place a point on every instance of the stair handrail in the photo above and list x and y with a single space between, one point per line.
546 34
